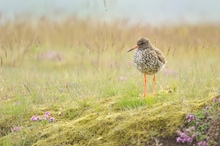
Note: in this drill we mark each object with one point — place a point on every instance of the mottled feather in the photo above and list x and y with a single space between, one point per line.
148 59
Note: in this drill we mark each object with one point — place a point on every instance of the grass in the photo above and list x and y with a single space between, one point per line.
79 71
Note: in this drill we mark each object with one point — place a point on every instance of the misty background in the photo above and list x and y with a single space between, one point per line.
146 11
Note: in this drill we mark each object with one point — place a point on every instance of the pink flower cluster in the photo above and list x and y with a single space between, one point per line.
46 117
186 136
190 133
199 125
202 143
190 118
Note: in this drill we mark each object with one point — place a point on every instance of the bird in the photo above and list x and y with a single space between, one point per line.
148 60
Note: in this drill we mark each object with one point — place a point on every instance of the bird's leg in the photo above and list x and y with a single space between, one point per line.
145 81
154 84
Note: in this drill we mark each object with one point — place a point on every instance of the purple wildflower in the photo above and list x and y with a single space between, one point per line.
52 119
183 137
197 123
187 131
190 118
34 118
15 129
46 117
193 128
202 143
47 114
193 136
214 100
178 139
189 139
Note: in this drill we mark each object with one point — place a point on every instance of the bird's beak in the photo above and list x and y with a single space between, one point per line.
133 48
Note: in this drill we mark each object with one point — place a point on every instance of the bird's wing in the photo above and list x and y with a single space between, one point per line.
160 55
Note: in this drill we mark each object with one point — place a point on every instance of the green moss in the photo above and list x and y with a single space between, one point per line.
127 127
124 128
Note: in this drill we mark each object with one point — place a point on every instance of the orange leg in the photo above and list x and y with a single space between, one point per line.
154 84
145 82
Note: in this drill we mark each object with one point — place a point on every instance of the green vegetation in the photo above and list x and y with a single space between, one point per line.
203 127
79 70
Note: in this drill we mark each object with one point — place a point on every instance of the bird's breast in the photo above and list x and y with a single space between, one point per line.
146 62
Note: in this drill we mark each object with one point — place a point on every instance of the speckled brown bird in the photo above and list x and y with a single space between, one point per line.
148 60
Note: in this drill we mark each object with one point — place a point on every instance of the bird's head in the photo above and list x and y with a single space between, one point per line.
142 44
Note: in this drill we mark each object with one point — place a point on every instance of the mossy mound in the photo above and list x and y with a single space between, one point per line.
128 127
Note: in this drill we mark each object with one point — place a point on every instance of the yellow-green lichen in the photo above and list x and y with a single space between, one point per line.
127 127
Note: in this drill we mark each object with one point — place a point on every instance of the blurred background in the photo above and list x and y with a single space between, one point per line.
83 44
70 57
155 12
